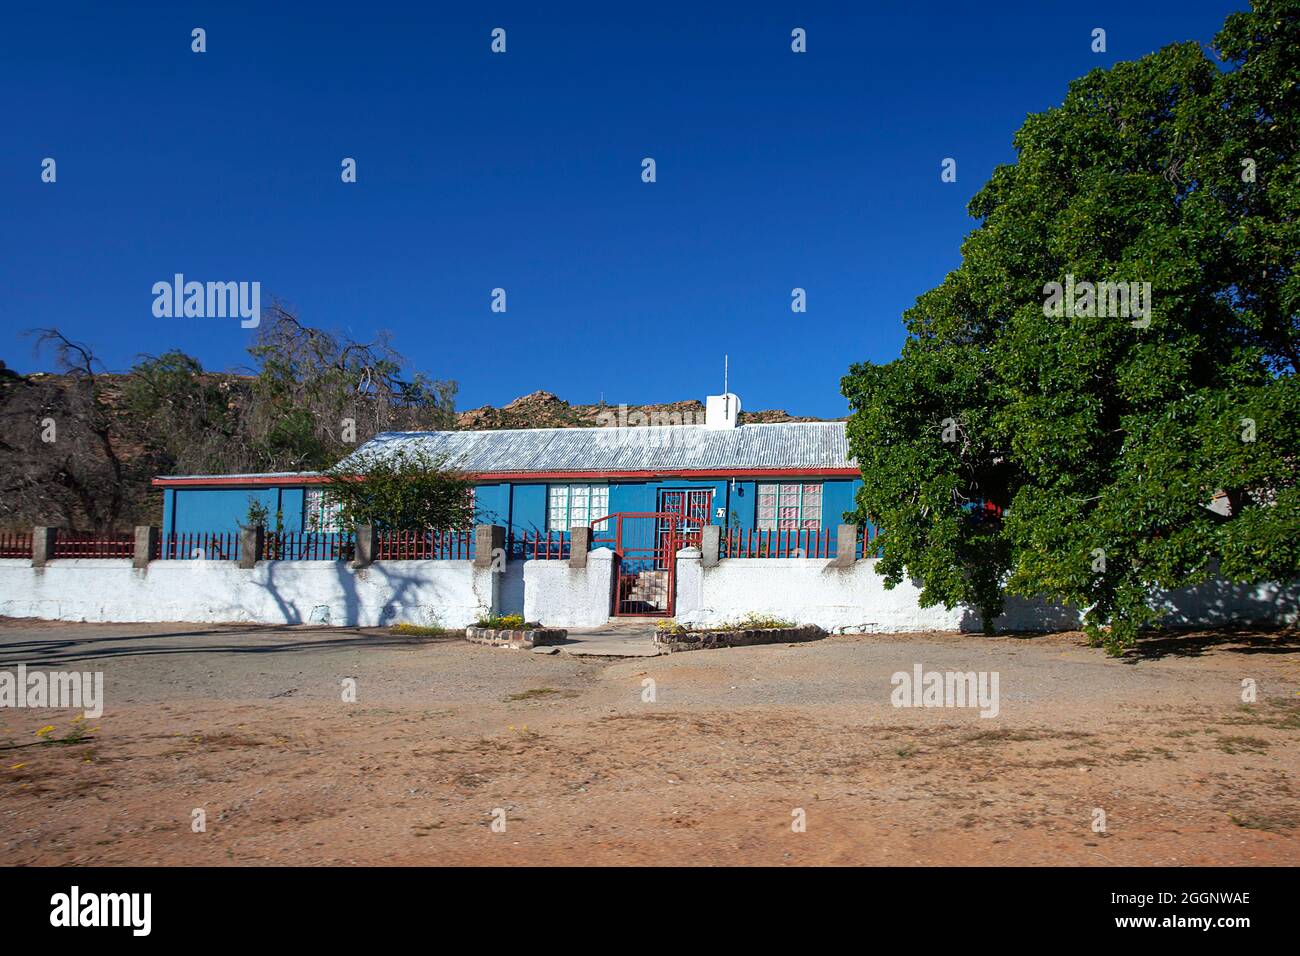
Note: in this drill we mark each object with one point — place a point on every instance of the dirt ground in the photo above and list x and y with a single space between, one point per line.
248 725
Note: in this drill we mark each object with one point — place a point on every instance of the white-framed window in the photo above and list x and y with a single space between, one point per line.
789 504
569 506
319 513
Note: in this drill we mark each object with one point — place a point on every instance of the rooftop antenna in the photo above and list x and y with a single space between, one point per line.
726 395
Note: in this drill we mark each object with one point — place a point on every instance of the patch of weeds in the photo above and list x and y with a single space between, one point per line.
540 693
1262 821
755 621
1249 745
509 622
421 630
907 750
1282 714
229 741
1062 763
79 733
1005 734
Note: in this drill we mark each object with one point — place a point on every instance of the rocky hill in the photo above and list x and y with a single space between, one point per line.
546 410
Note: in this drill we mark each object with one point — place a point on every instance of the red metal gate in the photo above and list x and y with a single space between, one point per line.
645 547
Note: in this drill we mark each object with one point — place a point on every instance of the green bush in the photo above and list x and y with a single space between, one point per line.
509 622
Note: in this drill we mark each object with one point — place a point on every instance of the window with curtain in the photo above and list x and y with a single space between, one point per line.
789 504
576 505
319 513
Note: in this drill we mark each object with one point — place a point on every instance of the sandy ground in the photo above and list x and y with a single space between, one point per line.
249 725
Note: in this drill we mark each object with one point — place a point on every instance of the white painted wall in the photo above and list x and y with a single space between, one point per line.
454 594
854 600
445 593
560 596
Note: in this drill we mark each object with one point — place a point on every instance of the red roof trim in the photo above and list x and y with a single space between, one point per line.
287 481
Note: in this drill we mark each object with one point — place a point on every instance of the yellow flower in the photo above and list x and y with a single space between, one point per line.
44 730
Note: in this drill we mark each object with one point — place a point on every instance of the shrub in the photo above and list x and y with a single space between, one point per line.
509 622
754 621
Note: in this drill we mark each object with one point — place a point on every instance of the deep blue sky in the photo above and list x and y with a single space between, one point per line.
522 170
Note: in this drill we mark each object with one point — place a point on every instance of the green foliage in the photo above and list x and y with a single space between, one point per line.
311 400
506 622
311 384
423 630
755 621
1106 440
257 514
404 490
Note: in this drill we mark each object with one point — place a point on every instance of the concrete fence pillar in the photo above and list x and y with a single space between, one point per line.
146 540
251 544
579 545
846 546
489 541
710 545
690 585
367 539
42 546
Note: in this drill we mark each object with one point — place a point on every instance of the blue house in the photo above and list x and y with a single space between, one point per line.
791 476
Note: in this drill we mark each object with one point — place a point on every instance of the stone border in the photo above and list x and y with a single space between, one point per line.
741 637
517 640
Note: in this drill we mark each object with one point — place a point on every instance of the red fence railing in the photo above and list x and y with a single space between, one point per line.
82 544
15 544
868 543
424 546
198 545
540 545
308 546
779 543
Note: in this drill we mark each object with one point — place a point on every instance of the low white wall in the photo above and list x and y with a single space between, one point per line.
854 600
560 596
444 593
511 597
455 593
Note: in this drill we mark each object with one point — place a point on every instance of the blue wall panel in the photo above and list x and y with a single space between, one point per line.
219 509
492 504
520 507
528 508
837 498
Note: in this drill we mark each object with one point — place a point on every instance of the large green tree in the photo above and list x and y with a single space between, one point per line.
1107 436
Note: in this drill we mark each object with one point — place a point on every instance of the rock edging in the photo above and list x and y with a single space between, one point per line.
519 640
669 643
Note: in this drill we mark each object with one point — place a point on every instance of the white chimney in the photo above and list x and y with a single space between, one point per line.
721 411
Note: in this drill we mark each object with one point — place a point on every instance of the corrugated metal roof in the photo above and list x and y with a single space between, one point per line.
792 445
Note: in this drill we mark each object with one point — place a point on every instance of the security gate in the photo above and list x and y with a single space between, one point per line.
645 547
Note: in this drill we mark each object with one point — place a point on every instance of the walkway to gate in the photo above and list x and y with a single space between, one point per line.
620 638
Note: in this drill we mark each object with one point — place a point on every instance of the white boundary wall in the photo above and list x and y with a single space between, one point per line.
443 593
853 600
455 593
560 596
